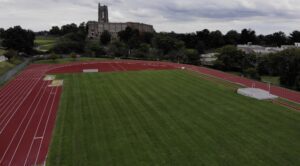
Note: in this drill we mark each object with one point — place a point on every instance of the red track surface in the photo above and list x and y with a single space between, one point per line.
28 109
28 106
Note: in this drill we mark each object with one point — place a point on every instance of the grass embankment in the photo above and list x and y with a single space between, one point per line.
274 80
45 43
2 51
68 60
168 118
5 66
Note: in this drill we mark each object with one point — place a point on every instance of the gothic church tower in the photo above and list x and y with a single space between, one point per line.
102 14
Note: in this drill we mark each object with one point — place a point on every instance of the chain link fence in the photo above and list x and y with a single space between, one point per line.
12 72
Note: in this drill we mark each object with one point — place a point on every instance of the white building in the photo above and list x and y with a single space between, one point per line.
208 59
257 49
3 58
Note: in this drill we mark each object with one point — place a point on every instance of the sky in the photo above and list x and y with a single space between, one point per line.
181 16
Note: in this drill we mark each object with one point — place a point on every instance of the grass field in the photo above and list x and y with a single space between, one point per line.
68 60
45 43
271 79
168 118
5 66
2 51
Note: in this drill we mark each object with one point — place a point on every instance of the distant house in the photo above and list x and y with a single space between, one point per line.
257 49
208 59
3 58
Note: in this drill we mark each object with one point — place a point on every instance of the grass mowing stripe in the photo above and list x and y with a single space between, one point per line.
175 125
168 86
170 118
183 101
158 121
184 124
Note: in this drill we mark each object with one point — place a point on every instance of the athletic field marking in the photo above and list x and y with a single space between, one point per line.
32 87
28 122
18 128
47 122
36 131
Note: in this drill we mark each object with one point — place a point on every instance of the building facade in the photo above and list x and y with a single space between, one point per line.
95 29
261 50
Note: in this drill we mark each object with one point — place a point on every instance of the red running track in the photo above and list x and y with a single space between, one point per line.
28 106
27 115
142 65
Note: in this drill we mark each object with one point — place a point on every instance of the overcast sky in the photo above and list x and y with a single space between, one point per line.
264 16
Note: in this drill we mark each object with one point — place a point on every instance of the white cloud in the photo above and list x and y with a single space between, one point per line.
265 16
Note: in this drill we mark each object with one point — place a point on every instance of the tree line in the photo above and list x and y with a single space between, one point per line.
284 64
182 48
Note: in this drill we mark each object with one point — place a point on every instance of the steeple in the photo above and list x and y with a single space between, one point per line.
102 13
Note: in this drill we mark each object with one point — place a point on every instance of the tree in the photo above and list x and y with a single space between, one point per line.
279 38
53 56
1 32
200 47
232 37
248 35
230 59
105 38
69 28
142 51
251 73
73 56
18 39
216 39
83 28
118 49
10 54
191 56
71 42
289 67
93 48
276 39
146 37
166 43
55 31
203 35
126 34
295 37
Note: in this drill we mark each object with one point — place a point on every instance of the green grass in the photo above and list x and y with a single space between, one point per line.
2 51
45 43
168 118
274 80
5 66
68 60
271 79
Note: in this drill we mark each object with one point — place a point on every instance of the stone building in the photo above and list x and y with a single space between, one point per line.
95 29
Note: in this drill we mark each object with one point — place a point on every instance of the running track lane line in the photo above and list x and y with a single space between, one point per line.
44 132
29 86
14 98
32 87
36 131
29 122
20 125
